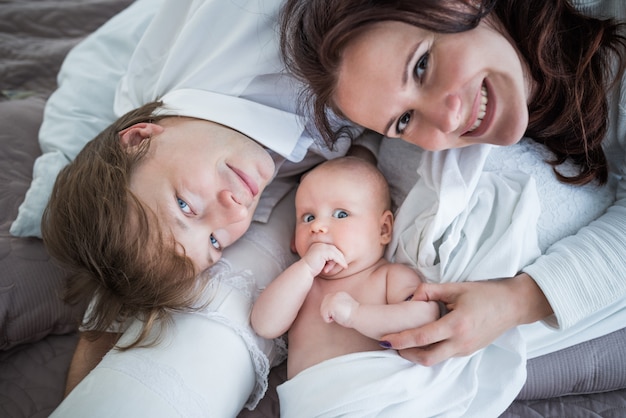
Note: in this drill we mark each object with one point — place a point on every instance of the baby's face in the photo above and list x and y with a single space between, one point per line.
335 206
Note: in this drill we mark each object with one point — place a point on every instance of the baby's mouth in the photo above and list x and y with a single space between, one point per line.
482 111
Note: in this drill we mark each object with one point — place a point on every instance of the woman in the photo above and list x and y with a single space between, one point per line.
450 74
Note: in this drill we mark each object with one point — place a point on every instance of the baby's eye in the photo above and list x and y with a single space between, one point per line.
215 243
308 218
340 213
183 205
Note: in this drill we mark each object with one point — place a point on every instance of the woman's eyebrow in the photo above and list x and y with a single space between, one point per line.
405 79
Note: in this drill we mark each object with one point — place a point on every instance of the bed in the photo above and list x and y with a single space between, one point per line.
38 331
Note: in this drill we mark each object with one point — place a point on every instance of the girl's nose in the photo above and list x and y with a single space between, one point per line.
229 209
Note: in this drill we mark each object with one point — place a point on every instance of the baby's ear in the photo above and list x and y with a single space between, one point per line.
133 136
292 245
386 227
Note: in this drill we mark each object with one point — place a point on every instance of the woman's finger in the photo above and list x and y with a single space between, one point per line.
423 336
429 356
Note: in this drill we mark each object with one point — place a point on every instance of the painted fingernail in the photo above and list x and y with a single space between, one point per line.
384 344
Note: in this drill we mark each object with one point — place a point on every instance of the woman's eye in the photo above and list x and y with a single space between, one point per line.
183 205
215 243
421 66
420 69
340 213
403 122
308 218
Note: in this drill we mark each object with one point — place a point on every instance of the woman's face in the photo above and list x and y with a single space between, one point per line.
437 91
203 181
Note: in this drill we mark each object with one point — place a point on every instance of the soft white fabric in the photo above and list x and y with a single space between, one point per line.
151 382
383 384
460 223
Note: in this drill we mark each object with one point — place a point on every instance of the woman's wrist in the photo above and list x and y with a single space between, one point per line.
532 304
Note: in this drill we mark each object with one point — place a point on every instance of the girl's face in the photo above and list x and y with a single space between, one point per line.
203 181
437 91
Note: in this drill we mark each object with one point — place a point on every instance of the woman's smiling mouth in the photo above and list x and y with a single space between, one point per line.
482 110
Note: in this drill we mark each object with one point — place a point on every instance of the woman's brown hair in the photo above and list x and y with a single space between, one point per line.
111 245
570 57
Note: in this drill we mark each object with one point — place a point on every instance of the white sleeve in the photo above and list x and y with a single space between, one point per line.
586 272
82 106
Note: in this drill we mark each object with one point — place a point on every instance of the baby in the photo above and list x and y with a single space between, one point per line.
342 295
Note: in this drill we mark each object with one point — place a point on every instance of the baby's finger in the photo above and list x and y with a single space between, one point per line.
330 264
339 258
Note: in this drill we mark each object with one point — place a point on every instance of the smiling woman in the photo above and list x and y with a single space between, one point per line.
456 73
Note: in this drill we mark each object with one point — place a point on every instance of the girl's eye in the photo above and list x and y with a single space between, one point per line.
403 122
183 205
421 66
340 213
308 218
215 243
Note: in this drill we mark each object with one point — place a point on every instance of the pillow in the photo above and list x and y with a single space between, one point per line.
31 286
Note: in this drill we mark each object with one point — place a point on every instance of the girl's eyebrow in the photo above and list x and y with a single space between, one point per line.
405 79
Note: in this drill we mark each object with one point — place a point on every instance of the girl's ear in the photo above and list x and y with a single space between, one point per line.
386 227
133 136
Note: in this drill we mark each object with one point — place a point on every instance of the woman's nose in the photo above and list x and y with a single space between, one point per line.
446 116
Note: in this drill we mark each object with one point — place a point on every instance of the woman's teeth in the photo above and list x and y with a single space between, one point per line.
483 109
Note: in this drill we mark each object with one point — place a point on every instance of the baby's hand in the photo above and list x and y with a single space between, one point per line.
339 307
323 258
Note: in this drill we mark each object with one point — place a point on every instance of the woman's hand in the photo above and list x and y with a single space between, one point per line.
479 312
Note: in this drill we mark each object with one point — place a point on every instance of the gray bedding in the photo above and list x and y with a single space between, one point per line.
38 331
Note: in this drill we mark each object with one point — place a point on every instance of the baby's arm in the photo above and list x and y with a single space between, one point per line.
399 314
279 304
